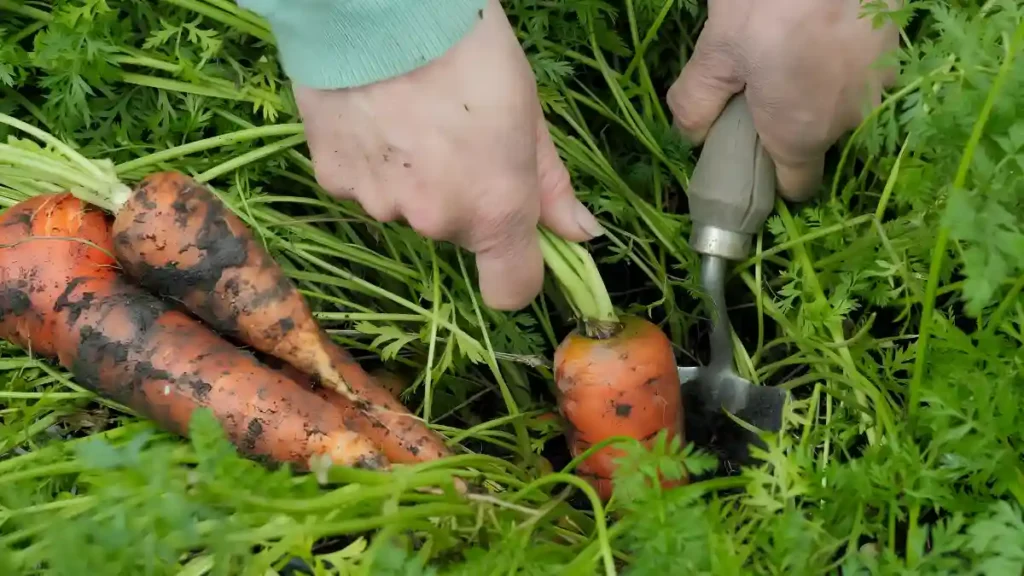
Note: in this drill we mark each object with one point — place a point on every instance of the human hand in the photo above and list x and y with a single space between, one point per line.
807 70
460 151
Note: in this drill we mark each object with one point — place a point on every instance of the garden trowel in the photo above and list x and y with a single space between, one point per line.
731 193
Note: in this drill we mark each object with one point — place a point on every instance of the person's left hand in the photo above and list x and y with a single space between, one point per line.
460 151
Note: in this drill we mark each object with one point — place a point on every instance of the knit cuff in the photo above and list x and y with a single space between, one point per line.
344 43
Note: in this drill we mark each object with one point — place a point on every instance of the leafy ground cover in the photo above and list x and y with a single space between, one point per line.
890 306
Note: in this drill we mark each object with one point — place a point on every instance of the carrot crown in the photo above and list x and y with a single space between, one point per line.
93 181
581 283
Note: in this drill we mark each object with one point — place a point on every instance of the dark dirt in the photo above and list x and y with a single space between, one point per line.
74 309
97 351
221 248
226 254
19 219
253 433
14 300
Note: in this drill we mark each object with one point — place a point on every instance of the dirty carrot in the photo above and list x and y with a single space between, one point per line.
180 241
395 442
615 376
62 296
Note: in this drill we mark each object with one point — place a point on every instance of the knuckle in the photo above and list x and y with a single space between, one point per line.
380 208
433 221
675 97
554 176
331 177
684 119
503 230
381 215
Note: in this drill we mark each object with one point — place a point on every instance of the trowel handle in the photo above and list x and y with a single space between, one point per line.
732 188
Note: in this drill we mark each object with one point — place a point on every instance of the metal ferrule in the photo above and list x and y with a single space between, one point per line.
720 242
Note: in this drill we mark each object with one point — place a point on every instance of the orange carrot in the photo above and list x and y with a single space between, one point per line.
616 376
62 296
180 241
624 384
357 420
418 442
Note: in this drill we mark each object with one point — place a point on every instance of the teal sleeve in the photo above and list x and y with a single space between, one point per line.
345 43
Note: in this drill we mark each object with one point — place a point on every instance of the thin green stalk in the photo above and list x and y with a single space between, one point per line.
572 285
403 517
639 51
652 33
802 239
8 394
245 94
90 167
592 276
251 156
428 384
372 288
218 141
997 316
888 102
24 10
370 316
235 10
42 166
492 362
27 104
939 251
577 273
483 426
347 496
599 515
223 17
834 329
134 58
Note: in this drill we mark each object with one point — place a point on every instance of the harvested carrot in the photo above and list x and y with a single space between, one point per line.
356 419
616 376
406 441
61 295
177 239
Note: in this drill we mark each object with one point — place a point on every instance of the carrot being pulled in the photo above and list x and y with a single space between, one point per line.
615 376
62 296
177 239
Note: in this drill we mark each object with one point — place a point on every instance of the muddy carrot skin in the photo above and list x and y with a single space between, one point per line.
404 441
396 451
622 384
178 239
62 296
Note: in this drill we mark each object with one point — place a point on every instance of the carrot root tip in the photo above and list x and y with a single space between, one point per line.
375 462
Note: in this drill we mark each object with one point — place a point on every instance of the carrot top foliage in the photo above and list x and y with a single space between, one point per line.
890 305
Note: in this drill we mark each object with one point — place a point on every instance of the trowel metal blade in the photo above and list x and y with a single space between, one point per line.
707 396
760 406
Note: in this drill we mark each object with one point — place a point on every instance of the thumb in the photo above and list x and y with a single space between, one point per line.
799 180
560 211
707 81
509 262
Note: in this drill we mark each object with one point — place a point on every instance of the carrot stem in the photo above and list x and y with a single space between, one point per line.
95 181
581 283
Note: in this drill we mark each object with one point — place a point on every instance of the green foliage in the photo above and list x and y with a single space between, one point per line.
890 305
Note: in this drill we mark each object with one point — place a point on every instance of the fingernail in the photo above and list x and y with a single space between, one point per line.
587 222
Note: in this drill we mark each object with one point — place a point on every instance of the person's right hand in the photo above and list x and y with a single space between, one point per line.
807 68
460 151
